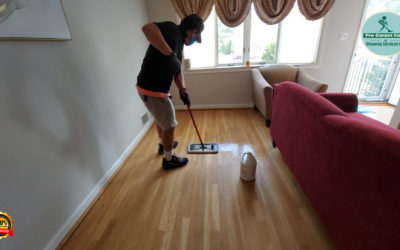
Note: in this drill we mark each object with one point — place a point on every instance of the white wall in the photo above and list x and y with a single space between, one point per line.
229 89
395 121
224 89
68 111
335 55
161 10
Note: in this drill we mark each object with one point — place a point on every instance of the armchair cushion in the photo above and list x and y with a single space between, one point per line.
309 82
279 73
265 77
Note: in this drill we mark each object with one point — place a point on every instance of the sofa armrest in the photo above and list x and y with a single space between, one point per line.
347 102
304 79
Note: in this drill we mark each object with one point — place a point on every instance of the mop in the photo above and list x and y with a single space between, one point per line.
197 148
201 148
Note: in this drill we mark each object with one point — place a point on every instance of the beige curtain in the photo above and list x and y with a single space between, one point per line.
186 7
315 9
232 12
273 11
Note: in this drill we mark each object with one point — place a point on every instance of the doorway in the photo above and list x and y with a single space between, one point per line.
372 77
375 79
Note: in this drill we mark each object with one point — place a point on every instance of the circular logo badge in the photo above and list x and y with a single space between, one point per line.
381 33
6 225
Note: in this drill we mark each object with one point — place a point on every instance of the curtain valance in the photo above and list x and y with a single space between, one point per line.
233 12
315 9
273 11
186 7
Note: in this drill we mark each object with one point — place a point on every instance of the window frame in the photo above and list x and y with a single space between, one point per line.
246 48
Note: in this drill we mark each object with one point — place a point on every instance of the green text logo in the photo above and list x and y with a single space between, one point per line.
381 33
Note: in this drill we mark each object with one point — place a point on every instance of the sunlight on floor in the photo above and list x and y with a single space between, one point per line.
383 112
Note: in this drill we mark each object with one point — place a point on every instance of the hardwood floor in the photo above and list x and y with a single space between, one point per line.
204 205
383 111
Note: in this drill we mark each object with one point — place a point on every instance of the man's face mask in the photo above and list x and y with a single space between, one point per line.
194 38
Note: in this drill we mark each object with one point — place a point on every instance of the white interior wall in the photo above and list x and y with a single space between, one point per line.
395 121
229 89
334 59
69 110
161 10
334 55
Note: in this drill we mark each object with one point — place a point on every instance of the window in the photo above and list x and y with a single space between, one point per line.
263 40
230 44
299 38
294 40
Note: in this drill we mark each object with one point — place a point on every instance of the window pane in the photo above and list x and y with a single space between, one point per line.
230 44
262 40
203 54
299 38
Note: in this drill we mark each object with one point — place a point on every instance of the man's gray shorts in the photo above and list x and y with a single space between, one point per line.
162 110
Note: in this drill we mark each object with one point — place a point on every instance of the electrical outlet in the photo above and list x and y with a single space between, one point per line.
144 118
343 36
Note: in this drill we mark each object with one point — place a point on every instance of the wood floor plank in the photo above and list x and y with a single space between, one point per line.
204 205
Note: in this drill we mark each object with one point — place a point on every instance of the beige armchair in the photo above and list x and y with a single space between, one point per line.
265 77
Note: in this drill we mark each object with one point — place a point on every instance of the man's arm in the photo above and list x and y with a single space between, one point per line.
182 90
154 36
178 79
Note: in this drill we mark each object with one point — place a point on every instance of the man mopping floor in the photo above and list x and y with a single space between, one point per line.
161 64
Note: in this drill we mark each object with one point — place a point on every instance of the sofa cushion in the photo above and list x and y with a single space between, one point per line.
300 98
364 118
347 102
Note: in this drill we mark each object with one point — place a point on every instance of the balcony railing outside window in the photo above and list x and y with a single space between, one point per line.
368 77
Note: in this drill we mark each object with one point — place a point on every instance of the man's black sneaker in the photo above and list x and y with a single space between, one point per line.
175 162
161 147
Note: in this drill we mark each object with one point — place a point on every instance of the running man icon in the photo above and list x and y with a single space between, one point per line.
384 24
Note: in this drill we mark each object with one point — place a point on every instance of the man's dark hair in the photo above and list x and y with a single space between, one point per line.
192 22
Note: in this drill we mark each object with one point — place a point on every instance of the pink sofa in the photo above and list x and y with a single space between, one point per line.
347 164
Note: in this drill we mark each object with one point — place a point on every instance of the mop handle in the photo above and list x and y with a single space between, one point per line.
178 81
190 112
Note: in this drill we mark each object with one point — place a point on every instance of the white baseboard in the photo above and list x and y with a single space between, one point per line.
216 106
70 222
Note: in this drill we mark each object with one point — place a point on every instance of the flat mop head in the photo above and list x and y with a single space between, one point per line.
206 148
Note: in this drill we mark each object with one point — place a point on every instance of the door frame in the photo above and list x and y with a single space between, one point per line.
394 67
395 76
353 55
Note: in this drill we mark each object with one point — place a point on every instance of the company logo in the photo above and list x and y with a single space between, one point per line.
381 33
6 225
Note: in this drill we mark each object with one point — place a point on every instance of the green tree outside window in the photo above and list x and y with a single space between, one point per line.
269 53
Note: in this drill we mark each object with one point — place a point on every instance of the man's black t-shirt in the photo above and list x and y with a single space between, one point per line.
155 74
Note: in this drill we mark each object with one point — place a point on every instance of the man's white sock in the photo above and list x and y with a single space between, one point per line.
160 141
168 155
